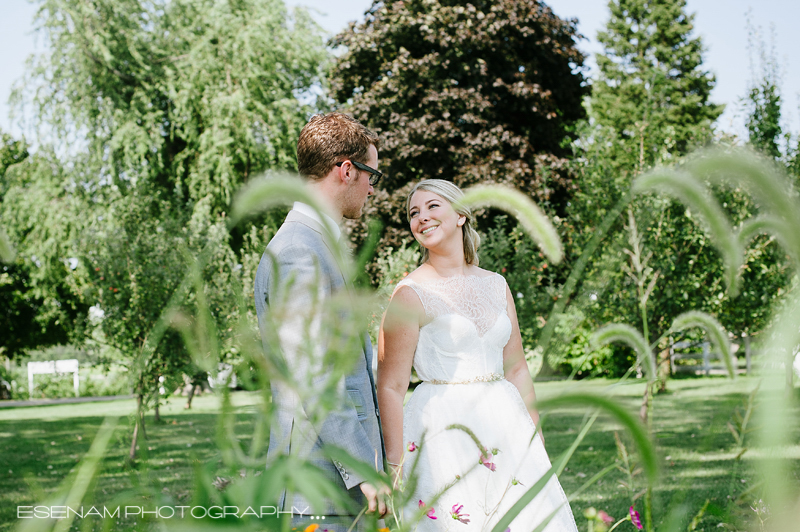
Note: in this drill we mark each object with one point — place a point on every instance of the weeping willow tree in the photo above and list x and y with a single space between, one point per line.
157 111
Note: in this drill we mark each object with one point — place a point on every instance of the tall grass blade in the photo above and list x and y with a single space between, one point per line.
281 190
620 332
715 331
527 213
368 472
769 185
647 452
368 249
574 495
565 294
768 224
776 421
80 482
555 469
697 197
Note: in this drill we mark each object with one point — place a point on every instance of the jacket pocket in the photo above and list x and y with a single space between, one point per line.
358 403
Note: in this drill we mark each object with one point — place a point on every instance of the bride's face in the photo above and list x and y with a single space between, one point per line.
433 219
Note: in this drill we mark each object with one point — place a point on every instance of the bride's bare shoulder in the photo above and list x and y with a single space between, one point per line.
422 274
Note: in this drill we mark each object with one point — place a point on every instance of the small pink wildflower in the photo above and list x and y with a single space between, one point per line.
607 519
412 447
486 460
456 514
635 518
430 513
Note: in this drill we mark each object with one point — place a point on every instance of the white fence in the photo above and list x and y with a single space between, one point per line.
707 356
53 366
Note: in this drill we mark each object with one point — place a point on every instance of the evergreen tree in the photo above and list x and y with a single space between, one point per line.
651 106
653 91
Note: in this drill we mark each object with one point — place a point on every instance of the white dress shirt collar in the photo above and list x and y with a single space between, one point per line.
309 211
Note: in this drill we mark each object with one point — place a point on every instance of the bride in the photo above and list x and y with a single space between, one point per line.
466 430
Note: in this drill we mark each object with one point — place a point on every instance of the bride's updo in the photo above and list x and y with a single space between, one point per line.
452 194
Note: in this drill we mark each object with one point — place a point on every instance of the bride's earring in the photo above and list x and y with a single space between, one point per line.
461 221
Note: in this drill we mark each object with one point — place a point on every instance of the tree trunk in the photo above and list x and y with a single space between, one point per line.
132 454
664 370
139 422
190 396
158 398
644 410
547 370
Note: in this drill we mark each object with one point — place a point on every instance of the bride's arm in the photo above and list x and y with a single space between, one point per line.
397 342
515 367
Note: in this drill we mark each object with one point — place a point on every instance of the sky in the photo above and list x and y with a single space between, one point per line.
720 23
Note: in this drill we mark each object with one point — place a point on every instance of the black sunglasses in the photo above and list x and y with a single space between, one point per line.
374 176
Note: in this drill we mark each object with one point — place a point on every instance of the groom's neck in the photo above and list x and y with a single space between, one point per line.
328 194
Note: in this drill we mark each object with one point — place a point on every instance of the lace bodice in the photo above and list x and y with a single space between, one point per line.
468 327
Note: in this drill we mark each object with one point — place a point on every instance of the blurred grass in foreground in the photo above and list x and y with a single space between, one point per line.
689 423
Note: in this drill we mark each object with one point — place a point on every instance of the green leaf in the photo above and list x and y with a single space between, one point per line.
689 190
534 490
299 476
6 249
620 332
363 470
530 217
647 452
717 333
86 473
283 189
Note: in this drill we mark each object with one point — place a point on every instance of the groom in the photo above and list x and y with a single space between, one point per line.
338 156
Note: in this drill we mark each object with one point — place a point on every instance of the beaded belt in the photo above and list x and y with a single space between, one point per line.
491 377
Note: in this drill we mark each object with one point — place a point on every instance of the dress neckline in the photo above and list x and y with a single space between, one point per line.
492 275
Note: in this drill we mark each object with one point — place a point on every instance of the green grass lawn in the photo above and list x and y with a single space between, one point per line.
42 445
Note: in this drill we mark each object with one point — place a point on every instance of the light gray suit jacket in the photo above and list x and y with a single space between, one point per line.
298 257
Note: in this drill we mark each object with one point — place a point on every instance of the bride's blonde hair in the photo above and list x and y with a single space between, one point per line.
452 194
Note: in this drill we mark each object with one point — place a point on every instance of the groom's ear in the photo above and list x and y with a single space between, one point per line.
348 174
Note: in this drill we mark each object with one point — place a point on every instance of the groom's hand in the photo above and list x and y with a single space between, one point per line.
376 497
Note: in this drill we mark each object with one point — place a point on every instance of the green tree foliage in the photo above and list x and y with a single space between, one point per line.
763 123
193 97
159 111
652 92
469 92
40 301
175 104
763 104
651 106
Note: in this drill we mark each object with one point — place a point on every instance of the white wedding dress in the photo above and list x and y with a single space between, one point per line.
459 358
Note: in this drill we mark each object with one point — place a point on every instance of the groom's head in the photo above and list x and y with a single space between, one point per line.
338 153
